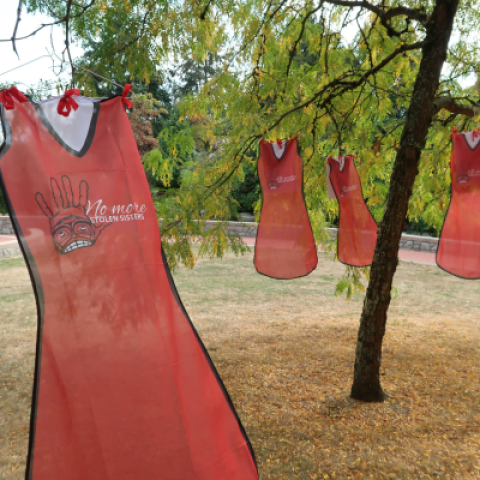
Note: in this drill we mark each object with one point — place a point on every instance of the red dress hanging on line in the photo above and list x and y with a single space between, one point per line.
459 245
357 230
124 388
285 247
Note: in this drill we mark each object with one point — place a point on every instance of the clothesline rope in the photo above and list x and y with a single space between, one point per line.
20 66
77 66
100 76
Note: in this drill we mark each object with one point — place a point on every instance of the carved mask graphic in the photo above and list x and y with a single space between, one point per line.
70 226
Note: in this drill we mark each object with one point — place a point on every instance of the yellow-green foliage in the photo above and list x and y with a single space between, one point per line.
275 94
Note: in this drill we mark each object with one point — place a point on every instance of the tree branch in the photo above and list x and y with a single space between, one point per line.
299 38
385 15
67 39
412 13
365 40
14 34
347 85
279 6
264 21
205 10
57 22
449 104
50 10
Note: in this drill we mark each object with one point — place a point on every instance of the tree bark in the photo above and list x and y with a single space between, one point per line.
366 379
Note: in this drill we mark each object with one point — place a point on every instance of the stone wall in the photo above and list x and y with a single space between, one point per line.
244 229
10 249
6 225
419 243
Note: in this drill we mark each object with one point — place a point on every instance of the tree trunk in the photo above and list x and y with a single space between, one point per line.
366 380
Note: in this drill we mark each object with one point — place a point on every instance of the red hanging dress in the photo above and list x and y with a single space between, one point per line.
285 247
124 388
459 245
357 230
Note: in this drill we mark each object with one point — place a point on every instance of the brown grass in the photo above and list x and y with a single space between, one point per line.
285 350
17 357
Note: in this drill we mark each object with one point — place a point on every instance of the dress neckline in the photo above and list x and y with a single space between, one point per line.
55 134
283 153
464 135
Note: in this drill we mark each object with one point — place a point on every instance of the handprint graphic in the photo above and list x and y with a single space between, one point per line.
272 176
70 226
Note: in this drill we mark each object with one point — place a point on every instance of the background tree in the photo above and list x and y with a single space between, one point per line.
145 109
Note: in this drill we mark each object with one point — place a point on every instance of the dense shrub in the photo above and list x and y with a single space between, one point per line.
246 193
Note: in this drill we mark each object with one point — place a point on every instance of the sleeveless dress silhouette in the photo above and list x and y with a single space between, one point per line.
357 230
285 247
124 388
459 245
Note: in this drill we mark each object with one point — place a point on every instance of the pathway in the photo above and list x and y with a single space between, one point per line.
7 238
426 258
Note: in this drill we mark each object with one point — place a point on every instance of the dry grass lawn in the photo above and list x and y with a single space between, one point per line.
285 350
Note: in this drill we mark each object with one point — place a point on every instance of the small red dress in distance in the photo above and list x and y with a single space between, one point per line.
124 388
357 230
285 247
459 245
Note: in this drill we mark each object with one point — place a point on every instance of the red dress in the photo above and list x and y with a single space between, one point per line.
285 247
124 388
459 245
357 230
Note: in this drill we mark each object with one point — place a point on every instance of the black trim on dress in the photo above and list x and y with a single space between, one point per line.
463 134
37 290
283 153
207 356
56 136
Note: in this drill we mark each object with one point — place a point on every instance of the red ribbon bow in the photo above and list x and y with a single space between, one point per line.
125 100
66 103
454 130
476 133
7 96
